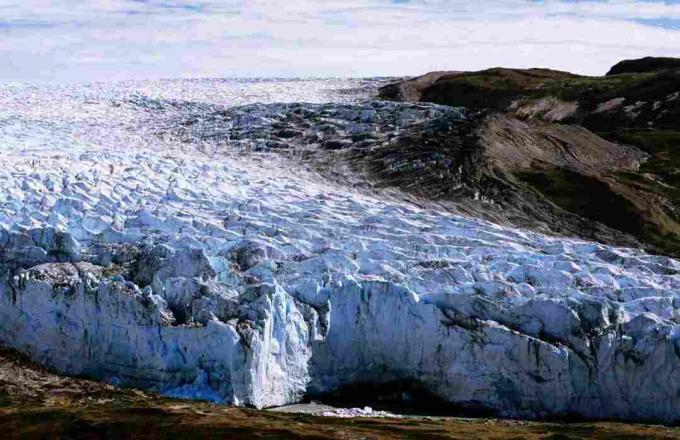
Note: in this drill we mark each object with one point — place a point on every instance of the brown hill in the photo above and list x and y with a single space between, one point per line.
602 149
647 64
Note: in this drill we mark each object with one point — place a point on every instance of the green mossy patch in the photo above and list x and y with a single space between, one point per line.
588 197
639 109
663 147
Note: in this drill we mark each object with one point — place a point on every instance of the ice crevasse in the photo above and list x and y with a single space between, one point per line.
252 283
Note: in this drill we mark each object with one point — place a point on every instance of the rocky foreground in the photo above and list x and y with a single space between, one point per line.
262 254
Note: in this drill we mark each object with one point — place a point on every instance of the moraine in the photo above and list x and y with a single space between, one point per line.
152 236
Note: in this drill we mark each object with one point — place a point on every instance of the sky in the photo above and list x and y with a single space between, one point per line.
97 40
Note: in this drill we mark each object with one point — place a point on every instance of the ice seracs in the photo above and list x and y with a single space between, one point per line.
248 280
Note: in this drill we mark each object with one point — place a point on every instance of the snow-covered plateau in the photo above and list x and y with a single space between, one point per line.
137 252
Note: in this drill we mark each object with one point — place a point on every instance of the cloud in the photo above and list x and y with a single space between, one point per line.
70 40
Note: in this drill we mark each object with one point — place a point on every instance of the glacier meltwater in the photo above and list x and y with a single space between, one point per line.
202 263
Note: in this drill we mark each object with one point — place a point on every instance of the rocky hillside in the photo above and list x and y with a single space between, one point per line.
601 151
647 64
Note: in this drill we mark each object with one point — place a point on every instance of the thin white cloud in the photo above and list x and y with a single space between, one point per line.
99 40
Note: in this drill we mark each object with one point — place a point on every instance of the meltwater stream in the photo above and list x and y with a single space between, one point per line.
138 249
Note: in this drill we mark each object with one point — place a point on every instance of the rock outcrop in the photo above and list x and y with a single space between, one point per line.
647 64
640 109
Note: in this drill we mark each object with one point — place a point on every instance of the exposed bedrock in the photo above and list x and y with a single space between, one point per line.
647 64
636 104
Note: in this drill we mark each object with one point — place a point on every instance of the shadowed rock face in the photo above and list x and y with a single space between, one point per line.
523 144
492 88
411 90
604 118
647 64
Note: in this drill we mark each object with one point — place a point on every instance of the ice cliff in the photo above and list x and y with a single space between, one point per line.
242 278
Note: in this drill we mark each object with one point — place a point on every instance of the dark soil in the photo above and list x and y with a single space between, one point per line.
38 404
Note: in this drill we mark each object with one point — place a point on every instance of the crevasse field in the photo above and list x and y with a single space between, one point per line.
152 236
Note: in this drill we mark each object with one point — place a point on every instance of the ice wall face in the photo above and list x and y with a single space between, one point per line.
66 316
533 359
246 280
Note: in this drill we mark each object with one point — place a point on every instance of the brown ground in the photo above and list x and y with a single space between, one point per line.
556 134
35 403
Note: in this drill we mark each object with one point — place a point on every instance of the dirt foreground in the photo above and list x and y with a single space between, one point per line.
36 403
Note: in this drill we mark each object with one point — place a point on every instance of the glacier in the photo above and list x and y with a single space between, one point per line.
136 253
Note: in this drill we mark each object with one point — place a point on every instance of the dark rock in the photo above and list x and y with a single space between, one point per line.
601 179
165 262
247 254
277 145
37 246
288 133
647 64
336 144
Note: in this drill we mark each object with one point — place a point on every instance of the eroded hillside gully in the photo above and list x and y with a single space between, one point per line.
158 235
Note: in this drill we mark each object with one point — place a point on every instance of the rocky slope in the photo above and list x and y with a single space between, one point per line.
636 111
647 64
